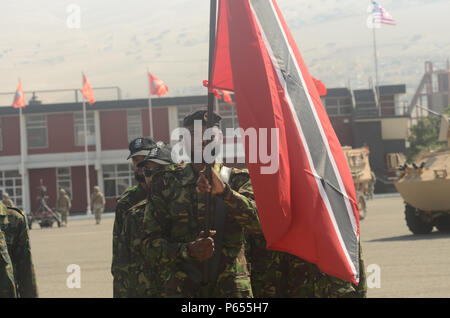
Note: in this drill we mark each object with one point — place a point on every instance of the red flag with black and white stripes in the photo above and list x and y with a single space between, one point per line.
308 206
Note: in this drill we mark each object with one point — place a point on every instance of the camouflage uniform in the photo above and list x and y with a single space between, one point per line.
98 204
63 206
121 253
7 201
174 217
16 233
138 282
278 274
7 283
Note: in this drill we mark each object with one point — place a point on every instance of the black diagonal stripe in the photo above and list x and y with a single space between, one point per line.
309 125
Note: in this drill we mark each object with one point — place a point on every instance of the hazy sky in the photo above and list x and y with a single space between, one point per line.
118 40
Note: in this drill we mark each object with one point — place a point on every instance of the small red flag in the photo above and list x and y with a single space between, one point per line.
226 97
157 87
321 89
19 98
87 91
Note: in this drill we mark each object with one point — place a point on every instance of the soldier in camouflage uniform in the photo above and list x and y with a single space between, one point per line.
139 274
278 274
127 218
176 245
7 201
7 282
98 204
17 240
63 206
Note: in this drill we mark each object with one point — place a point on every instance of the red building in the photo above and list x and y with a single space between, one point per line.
53 144
51 147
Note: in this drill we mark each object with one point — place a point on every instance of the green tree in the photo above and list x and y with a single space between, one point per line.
424 135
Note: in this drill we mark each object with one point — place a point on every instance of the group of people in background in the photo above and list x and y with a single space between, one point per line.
63 205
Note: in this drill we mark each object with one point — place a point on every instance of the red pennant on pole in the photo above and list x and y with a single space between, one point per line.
87 91
310 208
19 98
157 87
226 97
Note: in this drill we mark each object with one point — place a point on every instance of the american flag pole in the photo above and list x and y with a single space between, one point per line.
377 92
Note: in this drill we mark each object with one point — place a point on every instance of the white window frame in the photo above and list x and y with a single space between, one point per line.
62 178
14 186
134 124
1 135
122 179
78 127
33 123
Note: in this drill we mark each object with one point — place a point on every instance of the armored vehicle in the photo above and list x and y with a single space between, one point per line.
363 176
425 188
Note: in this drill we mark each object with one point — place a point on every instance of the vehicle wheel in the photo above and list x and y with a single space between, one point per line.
415 223
43 225
443 223
362 207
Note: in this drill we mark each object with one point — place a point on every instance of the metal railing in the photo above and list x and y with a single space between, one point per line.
55 96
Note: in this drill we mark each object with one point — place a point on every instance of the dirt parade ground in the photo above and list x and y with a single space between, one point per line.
75 261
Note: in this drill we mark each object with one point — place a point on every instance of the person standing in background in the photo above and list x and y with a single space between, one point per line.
7 201
63 206
98 204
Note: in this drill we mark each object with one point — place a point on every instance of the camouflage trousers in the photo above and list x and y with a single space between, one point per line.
64 214
98 214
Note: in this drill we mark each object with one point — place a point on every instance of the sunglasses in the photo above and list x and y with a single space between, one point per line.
148 172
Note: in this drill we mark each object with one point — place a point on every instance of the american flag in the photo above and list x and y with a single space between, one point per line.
380 15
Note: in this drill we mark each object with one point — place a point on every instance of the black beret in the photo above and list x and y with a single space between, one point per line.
201 115
140 146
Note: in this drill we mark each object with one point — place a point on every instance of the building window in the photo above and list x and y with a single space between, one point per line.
338 106
79 128
229 117
11 183
134 123
36 131
63 180
1 136
117 178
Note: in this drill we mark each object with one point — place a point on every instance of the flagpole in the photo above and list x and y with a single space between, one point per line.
377 93
88 196
150 115
22 160
208 173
